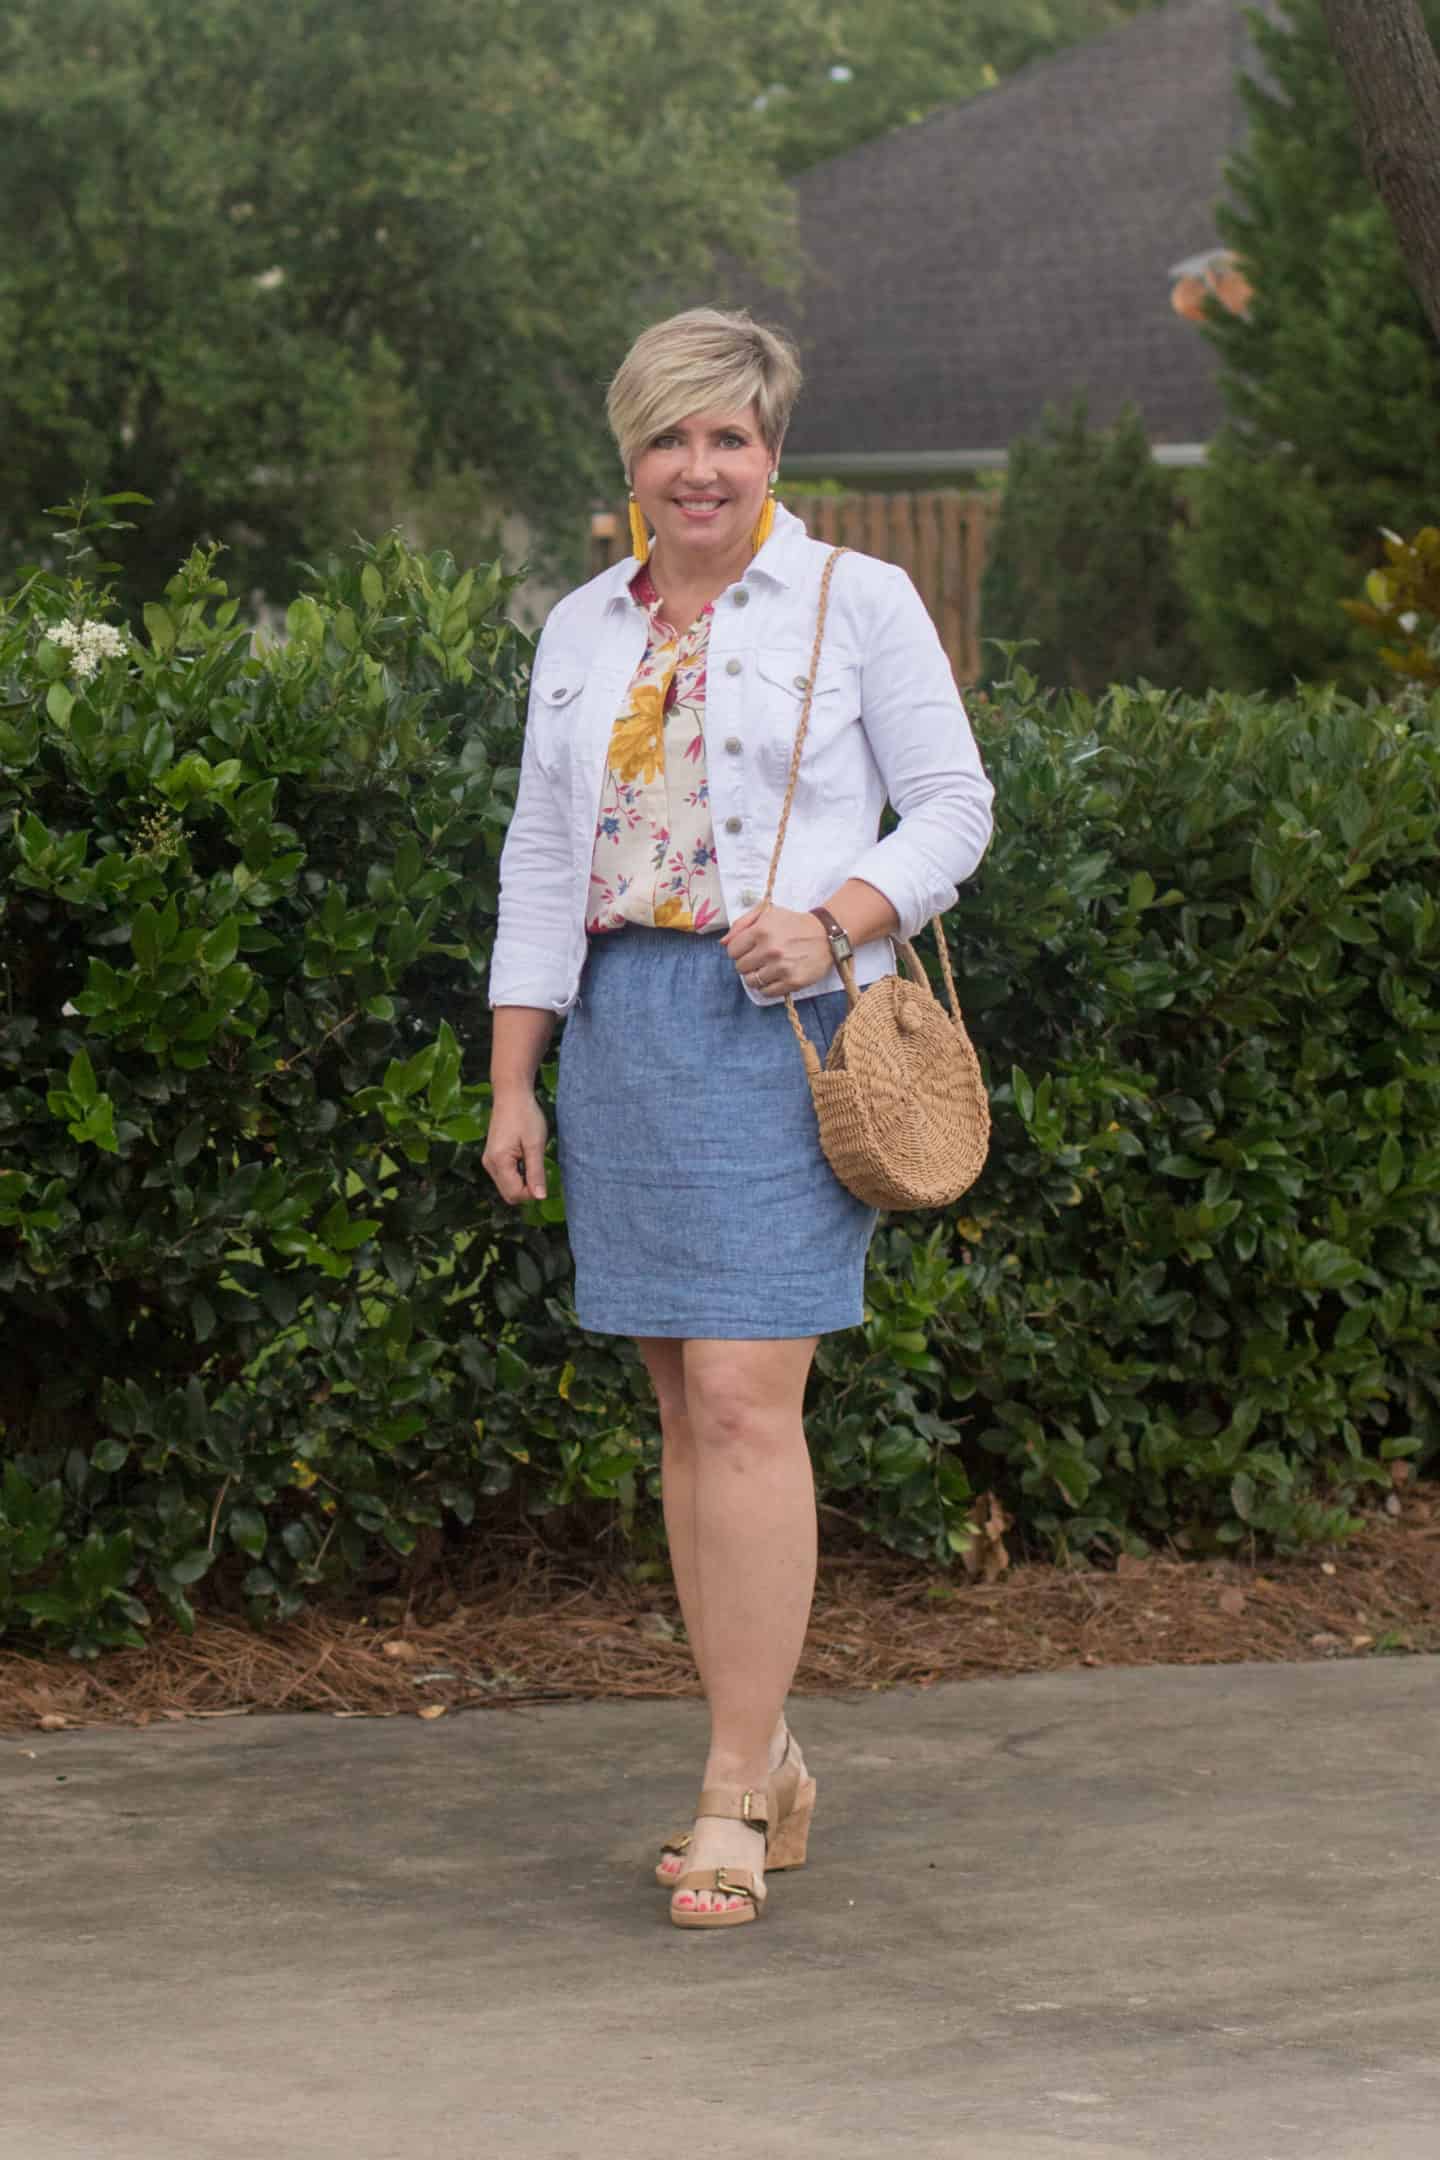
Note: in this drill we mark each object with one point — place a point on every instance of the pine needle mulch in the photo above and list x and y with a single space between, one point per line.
530 1628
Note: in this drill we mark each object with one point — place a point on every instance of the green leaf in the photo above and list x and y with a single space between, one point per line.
191 1566
145 938
161 625
1323 1265
221 946
372 585
82 1081
59 703
510 1368
189 1142
1391 1167
278 1296
247 1531
297 1541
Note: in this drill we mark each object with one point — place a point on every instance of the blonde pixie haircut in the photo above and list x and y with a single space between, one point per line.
701 361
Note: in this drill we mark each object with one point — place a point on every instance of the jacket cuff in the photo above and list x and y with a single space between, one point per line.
527 977
886 869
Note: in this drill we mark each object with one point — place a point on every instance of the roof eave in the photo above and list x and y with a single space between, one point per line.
922 464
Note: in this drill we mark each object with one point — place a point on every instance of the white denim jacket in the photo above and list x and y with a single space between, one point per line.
886 721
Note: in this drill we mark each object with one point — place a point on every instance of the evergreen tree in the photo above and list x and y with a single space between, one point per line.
1082 561
1333 384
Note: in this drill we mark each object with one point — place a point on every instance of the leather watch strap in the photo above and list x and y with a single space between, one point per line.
840 943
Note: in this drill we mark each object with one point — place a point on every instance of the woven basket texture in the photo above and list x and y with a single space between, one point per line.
903 1116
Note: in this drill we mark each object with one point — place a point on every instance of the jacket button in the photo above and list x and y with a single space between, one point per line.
733 824
734 745
749 897
802 682
742 598
733 667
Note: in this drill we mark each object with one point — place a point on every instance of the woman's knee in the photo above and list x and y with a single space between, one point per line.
738 1411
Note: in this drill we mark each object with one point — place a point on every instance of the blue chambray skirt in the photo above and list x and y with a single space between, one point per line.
697 1197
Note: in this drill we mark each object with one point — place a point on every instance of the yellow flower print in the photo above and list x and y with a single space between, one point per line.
637 747
674 914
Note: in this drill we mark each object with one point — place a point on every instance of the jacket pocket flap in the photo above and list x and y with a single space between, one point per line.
787 668
558 683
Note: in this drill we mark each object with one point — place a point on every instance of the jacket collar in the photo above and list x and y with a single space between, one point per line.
775 561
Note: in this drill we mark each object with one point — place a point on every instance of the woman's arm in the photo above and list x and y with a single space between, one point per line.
515 1142
921 741
528 969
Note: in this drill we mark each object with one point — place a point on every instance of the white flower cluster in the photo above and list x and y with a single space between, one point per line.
88 644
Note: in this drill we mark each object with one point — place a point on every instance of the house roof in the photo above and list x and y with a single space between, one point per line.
1006 253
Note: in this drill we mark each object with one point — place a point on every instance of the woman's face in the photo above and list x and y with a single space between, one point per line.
702 485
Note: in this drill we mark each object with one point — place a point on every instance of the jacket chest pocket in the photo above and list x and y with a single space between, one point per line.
555 711
831 766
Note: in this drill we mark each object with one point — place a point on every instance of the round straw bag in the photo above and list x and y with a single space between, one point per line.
904 1118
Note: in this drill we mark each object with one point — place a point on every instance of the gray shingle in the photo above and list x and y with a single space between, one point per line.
1010 251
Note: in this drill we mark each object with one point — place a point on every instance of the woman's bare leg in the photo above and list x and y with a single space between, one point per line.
752 1508
664 1361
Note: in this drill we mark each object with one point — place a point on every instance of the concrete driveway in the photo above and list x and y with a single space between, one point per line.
1074 1916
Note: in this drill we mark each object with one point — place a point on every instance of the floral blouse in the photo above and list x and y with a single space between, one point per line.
654 861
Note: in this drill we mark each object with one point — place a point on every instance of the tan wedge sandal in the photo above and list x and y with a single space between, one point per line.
731 1803
789 1810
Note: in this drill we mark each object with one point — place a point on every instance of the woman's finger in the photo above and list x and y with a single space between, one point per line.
742 923
533 1182
503 1172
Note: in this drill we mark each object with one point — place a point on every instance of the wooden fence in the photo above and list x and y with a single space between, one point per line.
939 536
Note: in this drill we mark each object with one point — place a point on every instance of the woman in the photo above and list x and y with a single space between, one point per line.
704 1220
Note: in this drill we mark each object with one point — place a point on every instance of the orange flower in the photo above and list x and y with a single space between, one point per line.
637 747
673 914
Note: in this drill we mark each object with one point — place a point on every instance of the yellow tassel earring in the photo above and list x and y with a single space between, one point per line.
639 537
766 524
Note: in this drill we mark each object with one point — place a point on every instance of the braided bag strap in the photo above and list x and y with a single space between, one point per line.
847 967
807 1048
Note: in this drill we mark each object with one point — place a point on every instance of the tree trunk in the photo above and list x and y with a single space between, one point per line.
1394 78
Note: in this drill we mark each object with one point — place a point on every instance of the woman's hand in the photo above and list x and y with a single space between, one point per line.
515 1147
778 950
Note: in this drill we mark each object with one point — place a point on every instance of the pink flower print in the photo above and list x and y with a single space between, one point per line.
695 750
706 913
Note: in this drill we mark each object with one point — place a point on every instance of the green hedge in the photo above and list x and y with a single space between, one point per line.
263 1315
1202 959
1082 568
